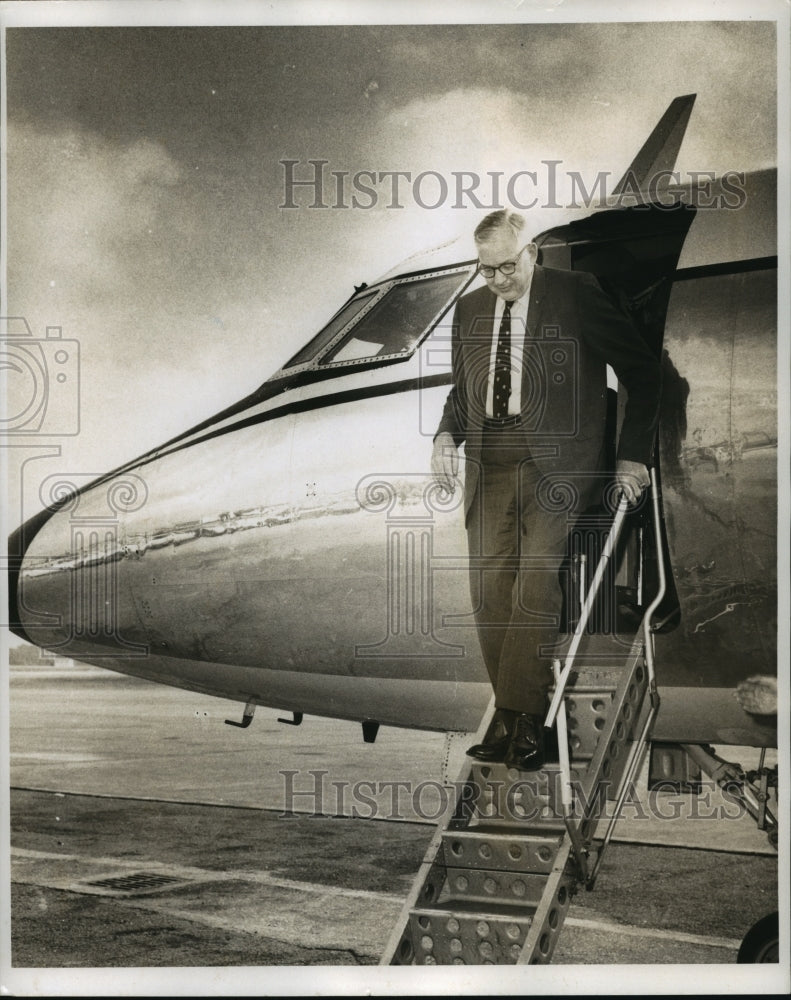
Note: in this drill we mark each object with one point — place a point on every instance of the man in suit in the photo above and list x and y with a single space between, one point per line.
529 399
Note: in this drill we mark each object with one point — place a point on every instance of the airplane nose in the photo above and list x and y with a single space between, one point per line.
65 579
18 543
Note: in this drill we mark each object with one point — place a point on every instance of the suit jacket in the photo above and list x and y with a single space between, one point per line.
573 331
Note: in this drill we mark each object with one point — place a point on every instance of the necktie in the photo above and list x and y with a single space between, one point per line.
502 367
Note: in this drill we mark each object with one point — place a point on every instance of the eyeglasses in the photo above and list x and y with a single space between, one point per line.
507 268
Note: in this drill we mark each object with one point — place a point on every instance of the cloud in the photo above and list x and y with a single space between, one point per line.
98 233
77 204
492 128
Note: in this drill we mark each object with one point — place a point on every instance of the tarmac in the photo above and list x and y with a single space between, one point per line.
147 835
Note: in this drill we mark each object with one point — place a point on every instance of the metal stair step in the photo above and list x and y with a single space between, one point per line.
593 688
496 776
500 849
496 794
486 887
459 935
501 794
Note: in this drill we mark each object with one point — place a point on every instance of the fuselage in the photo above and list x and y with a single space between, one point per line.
293 551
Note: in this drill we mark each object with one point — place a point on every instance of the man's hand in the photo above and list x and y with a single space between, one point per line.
632 478
758 694
445 462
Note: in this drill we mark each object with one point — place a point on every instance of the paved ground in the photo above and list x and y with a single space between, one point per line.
113 777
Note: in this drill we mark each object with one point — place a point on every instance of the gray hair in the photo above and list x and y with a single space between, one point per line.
502 219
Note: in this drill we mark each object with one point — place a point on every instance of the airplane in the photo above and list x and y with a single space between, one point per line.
292 551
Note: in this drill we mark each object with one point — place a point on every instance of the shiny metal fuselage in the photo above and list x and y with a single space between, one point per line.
294 553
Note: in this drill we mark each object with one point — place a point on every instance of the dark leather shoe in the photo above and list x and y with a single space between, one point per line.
526 751
497 739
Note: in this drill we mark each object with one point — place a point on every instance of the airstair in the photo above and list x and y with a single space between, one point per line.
499 875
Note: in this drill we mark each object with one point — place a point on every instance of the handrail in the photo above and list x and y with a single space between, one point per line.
566 790
662 583
557 708
636 750
587 606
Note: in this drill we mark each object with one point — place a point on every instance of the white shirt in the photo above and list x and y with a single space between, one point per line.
518 327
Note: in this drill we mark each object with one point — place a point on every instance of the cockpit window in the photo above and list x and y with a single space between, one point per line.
337 323
397 321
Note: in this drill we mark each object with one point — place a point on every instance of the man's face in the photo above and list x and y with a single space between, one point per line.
502 247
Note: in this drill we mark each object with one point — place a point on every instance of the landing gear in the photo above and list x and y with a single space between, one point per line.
752 790
762 942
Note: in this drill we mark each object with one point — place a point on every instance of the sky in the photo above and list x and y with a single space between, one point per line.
146 178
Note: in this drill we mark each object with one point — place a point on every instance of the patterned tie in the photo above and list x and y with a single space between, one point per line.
502 367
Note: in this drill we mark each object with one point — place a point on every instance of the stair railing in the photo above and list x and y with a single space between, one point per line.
557 713
585 613
639 745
